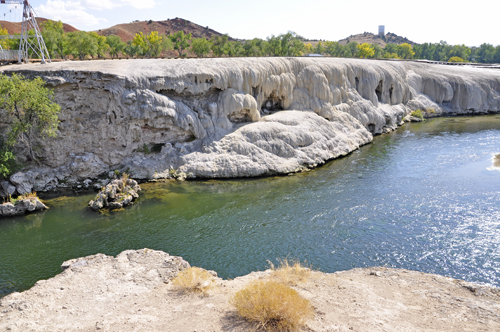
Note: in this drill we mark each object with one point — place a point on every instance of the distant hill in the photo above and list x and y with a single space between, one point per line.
127 31
370 38
15 27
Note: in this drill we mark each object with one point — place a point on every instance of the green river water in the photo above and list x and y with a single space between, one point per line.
423 197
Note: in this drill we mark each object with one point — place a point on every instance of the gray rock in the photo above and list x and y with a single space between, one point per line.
410 118
115 195
21 207
87 183
6 189
8 210
23 183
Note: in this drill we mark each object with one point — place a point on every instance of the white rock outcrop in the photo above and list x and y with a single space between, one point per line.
133 292
236 117
21 206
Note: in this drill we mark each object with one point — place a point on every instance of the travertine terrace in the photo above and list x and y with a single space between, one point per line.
238 117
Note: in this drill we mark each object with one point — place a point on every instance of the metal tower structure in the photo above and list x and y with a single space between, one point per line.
31 38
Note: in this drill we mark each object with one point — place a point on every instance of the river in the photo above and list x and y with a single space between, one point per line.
423 198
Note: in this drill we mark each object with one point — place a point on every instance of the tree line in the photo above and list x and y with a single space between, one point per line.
82 45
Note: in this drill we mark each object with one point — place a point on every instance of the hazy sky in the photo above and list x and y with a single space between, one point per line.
420 21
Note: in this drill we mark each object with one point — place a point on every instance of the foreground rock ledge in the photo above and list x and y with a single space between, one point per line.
132 293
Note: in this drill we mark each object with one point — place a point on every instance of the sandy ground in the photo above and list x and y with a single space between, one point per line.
132 293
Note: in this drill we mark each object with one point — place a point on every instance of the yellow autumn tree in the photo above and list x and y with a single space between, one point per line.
141 41
308 48
388 55
365 50
154 41
456 59
405 51
3 42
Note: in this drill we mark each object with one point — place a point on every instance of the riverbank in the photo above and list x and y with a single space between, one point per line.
133 292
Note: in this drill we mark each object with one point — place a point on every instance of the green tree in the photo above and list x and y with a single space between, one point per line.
319 48
115 45
291 44
274 45
337 50
365 50
391 48
234 49
253 47
132 50
55 39
378 51
288 44
101 46
219 44
353 47
201 47
166 44
30 110
460 51
485 53
82 44
180 41
7 159
496 56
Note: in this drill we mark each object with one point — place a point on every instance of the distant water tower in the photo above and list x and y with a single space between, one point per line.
381 30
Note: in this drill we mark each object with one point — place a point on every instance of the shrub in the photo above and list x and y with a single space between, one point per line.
124 178
290 273
456 59
14 201
145 149
418 114
272 305
193 280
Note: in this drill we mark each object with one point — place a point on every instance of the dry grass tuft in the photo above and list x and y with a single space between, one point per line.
272 305
290 272
194 280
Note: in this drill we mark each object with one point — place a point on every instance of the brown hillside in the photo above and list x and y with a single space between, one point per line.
370 38
15 27
127 31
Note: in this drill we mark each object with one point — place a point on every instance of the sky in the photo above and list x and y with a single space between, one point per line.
422 21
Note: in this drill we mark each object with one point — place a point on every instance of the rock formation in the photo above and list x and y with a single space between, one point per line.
115 195
21 206
133 292
218 118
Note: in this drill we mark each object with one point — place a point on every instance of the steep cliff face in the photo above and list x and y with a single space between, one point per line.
236 117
